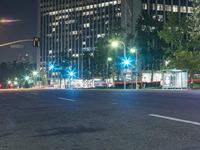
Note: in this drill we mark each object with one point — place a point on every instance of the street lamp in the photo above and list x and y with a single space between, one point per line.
35 73
109 59
26 78
116 44
126 62
15 83
51 67
9 82
71 75
134 51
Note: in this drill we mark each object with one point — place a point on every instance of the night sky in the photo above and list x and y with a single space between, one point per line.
27 12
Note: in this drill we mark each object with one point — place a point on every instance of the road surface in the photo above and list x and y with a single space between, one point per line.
99 120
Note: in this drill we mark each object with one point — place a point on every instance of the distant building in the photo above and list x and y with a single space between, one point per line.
25 58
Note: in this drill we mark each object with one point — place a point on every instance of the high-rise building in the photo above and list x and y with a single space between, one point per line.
74 27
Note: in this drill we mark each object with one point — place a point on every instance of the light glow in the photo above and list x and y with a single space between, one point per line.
133 50
8 21
109 59
126 62
51 67
35 73
27 78
71 74
115 44
15 83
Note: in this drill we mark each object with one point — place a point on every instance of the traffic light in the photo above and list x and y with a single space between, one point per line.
36 42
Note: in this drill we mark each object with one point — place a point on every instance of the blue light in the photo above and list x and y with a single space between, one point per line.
51 67
126 62
71 73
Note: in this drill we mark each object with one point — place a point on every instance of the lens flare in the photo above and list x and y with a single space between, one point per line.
8 21
126 62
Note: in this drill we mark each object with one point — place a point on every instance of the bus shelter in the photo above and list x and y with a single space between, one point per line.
174 79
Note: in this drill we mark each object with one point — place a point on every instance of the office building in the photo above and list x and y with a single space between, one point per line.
74 27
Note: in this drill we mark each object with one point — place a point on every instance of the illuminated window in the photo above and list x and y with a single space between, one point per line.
144 6
50 51
160 7
86 25
100 35
74 32
53 29
175 8
84 43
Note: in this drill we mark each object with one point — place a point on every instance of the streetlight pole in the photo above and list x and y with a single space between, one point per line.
124 49
134 50
136 69
116 44
124 73
71 76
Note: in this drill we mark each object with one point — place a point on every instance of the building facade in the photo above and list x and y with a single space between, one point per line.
73 27
160 8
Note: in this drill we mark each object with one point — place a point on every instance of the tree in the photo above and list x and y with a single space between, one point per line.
9 71
65 61
175 34
181 36
187 60
101 67
101 54
148 42
194 26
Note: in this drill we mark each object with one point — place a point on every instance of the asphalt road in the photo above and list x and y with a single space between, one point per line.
99 120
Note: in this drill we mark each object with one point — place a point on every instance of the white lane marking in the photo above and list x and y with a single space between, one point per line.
66 99
34 93
175 119
115 103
